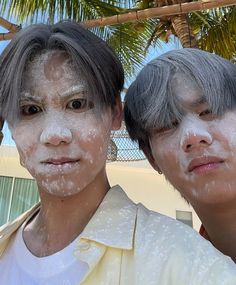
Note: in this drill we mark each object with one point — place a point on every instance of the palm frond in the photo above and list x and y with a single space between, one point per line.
216 30
127 40
129 44
33 10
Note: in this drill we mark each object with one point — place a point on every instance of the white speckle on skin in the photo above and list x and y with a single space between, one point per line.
57 131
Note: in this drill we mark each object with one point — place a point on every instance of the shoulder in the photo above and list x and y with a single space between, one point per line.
157 229
161 225
179 250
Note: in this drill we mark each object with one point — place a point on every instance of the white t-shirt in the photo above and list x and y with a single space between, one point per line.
20 267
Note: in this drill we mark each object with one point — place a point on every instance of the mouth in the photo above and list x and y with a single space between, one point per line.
63 161
204 164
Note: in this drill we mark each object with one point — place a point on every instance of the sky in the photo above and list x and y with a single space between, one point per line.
153 52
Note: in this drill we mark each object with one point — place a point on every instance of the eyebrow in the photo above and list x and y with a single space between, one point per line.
25 96
77 89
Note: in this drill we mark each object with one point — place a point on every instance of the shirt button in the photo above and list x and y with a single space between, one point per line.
83 246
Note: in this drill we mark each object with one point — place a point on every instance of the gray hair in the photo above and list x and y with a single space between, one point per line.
150 102
90 55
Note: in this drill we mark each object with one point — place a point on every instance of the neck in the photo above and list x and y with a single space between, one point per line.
220 224
61 219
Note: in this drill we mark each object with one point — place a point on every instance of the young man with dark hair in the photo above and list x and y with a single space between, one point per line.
181 110
60 94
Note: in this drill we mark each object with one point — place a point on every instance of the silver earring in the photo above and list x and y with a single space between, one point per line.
159 171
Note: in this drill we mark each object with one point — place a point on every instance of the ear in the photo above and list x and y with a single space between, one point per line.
148 153
117 114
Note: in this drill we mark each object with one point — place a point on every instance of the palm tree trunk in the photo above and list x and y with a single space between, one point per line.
183 31
179 22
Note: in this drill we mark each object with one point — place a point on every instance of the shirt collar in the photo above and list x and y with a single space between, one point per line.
113 223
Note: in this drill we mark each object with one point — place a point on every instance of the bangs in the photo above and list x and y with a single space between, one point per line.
98 69
214 76
154 104
12 65
91 56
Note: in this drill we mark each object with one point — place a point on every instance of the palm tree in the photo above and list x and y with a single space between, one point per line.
212 30
216 31
127 39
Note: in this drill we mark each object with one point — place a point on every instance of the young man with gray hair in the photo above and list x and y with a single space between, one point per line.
182 111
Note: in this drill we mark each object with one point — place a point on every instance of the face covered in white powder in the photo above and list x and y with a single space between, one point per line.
61 139
198 154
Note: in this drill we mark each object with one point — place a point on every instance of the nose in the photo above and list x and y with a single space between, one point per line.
196 136
56 134
193 141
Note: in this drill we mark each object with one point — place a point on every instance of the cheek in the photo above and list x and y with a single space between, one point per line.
94 140
165 153
24 143
226 134
95 143
224 129
167 162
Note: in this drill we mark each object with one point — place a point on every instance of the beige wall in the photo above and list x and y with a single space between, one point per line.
138 179
9 163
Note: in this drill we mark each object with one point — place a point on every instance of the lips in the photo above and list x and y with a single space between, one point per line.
60 161
204 163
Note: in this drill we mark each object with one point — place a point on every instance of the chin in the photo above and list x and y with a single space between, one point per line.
60 188
215 200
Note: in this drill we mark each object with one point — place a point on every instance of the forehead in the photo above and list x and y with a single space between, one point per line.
50 67
186 90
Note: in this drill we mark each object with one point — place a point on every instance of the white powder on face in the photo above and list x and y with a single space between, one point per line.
223 145
40 70
220 133
60 186
191 130
60 132
227 127
220 137
37 67
192 126
56 134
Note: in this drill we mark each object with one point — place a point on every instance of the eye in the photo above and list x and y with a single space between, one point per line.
30 110
207 115
80 104
166 129
175 124
205 112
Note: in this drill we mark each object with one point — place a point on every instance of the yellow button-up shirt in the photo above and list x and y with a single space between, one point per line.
127 244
